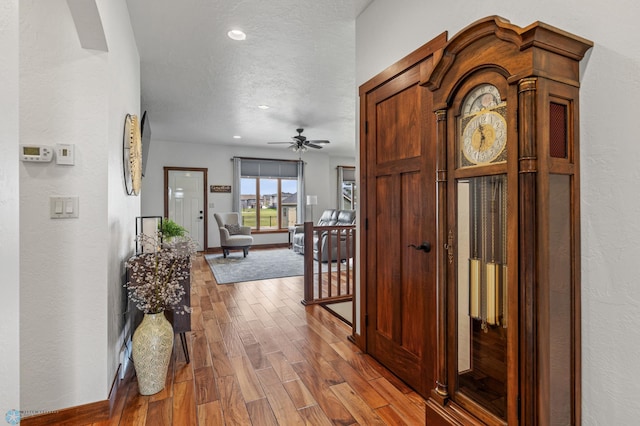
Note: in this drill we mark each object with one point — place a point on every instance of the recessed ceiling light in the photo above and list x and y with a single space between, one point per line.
237 137
263 106
237 35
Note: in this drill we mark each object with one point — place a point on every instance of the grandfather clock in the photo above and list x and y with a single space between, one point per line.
508 321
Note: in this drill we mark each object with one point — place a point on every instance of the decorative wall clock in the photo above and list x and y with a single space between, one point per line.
132 155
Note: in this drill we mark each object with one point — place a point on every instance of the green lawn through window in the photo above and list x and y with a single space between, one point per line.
268 218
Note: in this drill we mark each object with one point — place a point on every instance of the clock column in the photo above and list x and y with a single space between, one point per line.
441 393
528 165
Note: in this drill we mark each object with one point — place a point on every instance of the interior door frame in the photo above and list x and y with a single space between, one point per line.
205 202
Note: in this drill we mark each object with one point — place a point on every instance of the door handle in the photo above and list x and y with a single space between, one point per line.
425 246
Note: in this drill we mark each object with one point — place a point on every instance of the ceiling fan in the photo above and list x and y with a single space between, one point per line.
301 143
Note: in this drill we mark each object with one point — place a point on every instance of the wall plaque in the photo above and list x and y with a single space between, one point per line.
220 188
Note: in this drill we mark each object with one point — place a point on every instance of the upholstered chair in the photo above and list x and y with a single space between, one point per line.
233 236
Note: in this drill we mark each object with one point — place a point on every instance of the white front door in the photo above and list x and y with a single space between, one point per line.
185 202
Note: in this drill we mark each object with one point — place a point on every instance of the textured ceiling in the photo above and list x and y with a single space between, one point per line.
200 86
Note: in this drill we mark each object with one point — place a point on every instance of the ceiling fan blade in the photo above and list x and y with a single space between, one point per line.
300 143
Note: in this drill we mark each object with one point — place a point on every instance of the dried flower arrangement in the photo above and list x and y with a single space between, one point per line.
155 277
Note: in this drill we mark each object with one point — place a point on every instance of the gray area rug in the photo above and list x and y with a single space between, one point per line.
258 265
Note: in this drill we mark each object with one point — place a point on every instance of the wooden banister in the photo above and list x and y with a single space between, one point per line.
336 244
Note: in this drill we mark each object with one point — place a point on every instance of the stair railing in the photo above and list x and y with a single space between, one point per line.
333 279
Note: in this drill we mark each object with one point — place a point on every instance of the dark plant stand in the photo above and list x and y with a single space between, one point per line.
182 322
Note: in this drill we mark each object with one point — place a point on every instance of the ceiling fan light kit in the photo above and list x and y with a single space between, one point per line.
301 144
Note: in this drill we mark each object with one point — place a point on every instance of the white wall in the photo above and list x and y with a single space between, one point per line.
71 306
9 208
387 31
320 172
124 97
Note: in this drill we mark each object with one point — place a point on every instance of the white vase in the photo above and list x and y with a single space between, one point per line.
152 347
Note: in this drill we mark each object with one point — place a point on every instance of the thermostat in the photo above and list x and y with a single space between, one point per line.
40 153
65 154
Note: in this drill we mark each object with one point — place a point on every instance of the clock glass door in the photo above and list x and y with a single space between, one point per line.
482 291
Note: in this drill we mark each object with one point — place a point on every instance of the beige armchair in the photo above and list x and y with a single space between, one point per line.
233 236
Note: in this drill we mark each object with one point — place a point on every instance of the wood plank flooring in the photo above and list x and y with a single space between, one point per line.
259 357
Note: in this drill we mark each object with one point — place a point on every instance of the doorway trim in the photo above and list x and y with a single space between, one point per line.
205 201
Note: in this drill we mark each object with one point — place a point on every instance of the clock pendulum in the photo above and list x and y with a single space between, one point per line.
503 269
492 266
475 263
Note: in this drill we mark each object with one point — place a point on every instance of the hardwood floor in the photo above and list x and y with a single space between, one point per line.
258 356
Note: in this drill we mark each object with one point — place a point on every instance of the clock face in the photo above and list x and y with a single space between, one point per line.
132 155
483 135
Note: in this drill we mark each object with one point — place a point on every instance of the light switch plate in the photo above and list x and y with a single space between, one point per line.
63 207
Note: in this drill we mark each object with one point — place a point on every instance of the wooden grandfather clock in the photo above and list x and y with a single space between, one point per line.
508 321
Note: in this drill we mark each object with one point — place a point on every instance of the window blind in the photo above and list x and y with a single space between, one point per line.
269 168
348 174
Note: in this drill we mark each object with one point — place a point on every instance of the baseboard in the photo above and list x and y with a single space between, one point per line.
80 415
213 250
84 414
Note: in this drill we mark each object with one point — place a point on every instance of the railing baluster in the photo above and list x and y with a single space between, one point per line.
308 263
339 262
329 258
344 239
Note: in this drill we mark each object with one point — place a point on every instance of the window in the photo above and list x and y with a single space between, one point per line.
346 188
269 198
